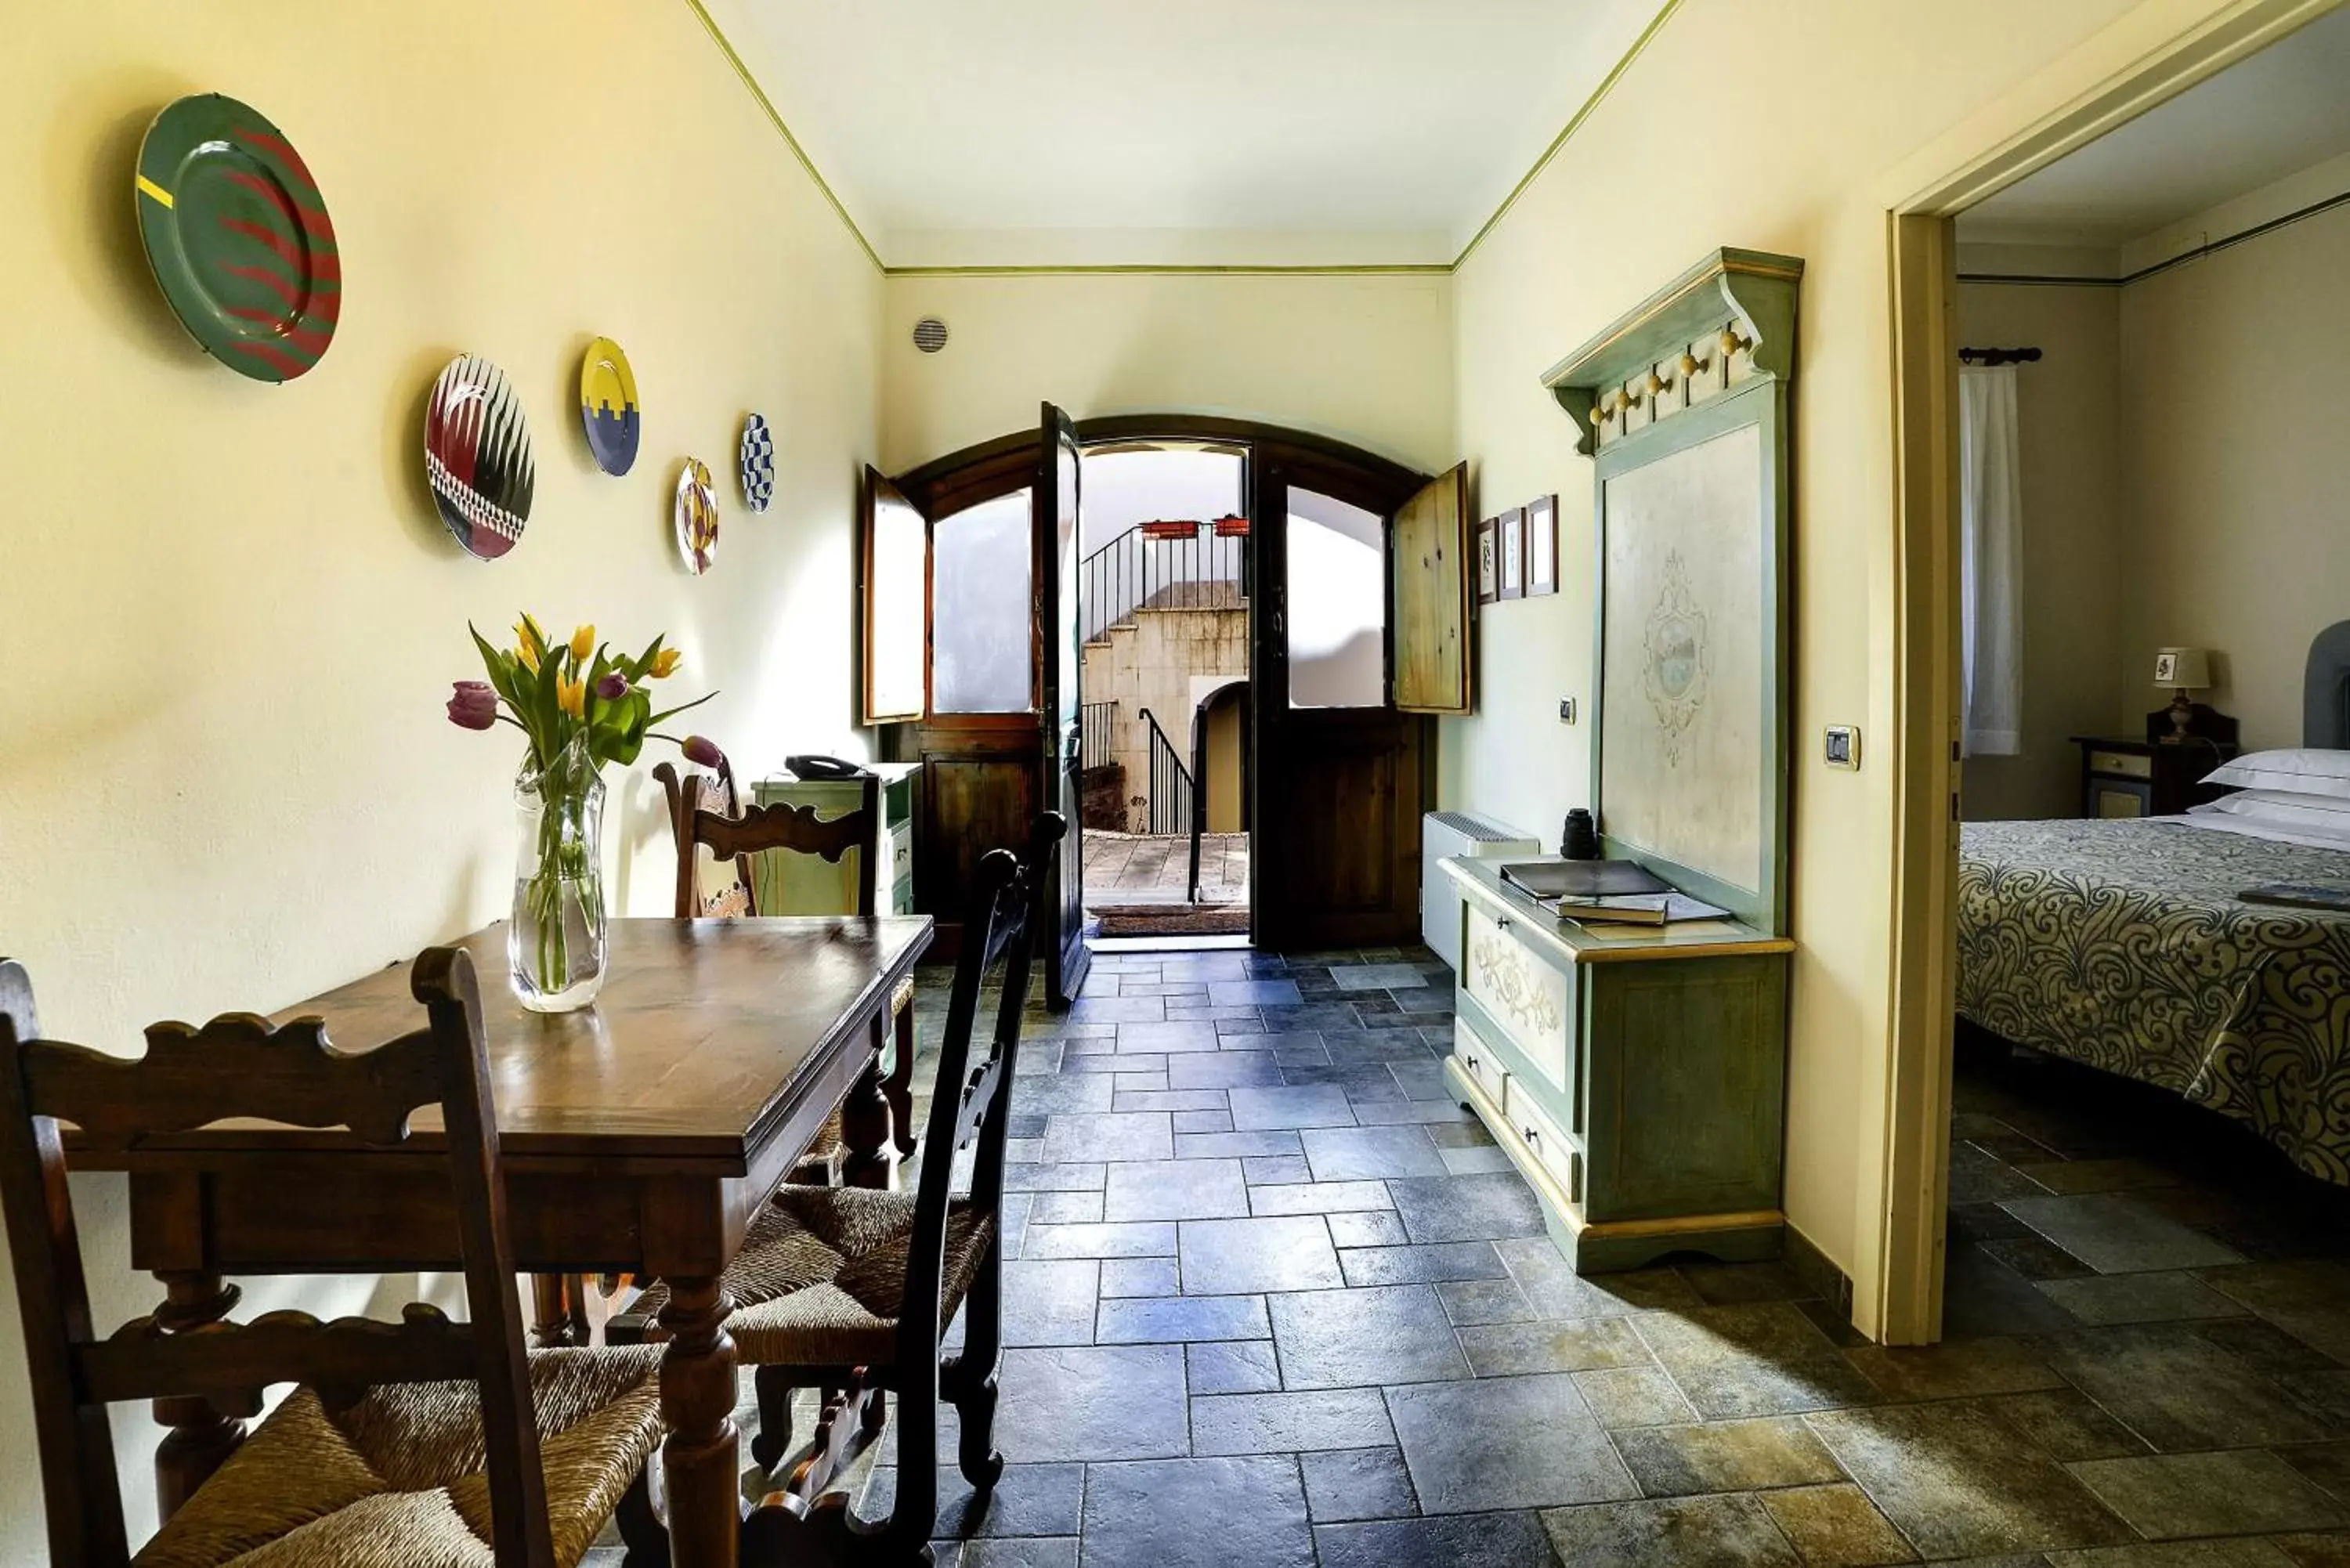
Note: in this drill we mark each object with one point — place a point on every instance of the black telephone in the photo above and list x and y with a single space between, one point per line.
813 767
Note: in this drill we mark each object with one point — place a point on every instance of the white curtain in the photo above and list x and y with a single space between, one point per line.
1991 563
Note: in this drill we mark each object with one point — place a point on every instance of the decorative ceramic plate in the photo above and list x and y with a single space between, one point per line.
477 456
238 237
697 515
758 463
608 405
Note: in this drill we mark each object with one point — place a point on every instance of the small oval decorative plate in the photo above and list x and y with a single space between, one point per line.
696 514
758 463
477 456
239 238
608 405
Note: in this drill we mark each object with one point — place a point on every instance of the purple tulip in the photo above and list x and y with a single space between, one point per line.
473 706
701 748
613 687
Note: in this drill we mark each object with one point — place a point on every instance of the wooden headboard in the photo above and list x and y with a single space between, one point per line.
2326 690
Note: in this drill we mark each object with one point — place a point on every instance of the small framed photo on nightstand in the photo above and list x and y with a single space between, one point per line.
1542 546
1489 561
1512 528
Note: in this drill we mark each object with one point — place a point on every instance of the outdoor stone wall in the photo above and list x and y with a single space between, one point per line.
1150 663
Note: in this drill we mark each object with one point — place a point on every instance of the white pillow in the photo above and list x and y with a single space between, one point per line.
2286 808
2307 771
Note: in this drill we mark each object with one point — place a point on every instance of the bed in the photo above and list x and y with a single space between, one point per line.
2122 945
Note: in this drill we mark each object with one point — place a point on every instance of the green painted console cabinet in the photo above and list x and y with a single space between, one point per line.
805 885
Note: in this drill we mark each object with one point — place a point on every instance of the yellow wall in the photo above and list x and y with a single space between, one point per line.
229 614
1773 126
1366 359
2235 467
2077 546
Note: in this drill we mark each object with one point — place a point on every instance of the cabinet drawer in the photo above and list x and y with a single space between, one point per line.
2123 763
1550 1146
901 844
1477 1058
1526 997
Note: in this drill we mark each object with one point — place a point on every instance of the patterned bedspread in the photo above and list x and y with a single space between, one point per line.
2121 945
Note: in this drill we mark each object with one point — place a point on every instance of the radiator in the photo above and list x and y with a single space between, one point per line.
1453 834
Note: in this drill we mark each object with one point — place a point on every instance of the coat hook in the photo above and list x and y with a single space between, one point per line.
1732 343
1653 383
1691 363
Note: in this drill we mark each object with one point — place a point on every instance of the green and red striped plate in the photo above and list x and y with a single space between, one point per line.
239 237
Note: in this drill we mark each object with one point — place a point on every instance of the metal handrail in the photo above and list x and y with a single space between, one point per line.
1172 805
1096 729
1136 572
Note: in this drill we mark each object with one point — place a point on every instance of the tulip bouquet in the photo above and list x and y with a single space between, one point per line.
581 706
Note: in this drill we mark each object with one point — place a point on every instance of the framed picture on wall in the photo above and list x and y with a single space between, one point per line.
1489 561
1513 526
1542 546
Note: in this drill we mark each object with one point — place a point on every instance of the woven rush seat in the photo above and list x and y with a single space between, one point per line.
822 1275
396 1480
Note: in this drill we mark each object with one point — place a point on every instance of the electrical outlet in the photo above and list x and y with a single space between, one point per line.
1843 748
1566 710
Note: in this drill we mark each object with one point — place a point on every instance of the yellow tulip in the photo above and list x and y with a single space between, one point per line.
571 696
528 631
665 663
527 655
583 644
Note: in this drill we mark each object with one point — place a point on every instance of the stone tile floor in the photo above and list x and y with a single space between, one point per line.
1277 1300
1123 868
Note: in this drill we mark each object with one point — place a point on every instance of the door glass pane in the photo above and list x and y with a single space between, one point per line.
1337 603
981 609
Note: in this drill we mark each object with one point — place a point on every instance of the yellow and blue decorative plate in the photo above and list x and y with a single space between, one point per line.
608 405
695 513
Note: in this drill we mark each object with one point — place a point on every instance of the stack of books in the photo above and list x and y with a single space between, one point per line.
1620 892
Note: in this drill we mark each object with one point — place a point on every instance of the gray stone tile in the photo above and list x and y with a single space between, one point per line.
1767 1359
1065 1209
1139 1277
1670 1532
1954 1370
1223 1070
1426 1113
1197 1513
1468 1302
1106 1062
2241 1493
1501 1443
1835 1526
1958 1483
1108 1135
2067 1423
1420 1265
1120 1009
1275 1169
2165 1297
1254 993
1379 1045
1282 1423
1028 1501
2069 1176
1097 1402
1181 1102
1555 1290
1633 1396
1151 1241
1219 1121
1378 976
1316 1015
1355 1338
1062 1094
1049 1303
1081 1177
2114 1234
2237 1553
2178 1390
1288 1109
2310 1301
2327 1464
1729 1284
1344 1484
1320 1197
1175 1189
1461 1540
1372 1228
1352 1154
1167 1039
1253 1257
1725 1456
1467 1208
1473 1161
1253 1144
1503 1349
1146 1319
1236 1366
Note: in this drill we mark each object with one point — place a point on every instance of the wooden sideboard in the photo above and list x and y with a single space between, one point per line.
1636 1076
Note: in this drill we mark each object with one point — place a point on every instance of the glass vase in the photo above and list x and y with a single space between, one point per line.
556 942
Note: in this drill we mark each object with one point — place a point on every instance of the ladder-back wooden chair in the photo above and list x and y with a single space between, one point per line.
852 1291
705 812
427 1444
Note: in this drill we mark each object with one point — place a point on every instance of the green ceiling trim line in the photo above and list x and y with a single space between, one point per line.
1179 269
1590 105
727 48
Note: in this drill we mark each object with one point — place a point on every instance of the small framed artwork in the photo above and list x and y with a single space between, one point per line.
1513 526
1489 561
1542 546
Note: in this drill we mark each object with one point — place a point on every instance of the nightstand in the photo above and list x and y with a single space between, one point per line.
2146 778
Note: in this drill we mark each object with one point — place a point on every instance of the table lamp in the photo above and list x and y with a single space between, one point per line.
2183 670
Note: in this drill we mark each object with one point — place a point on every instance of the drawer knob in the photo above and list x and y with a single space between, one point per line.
1533 1138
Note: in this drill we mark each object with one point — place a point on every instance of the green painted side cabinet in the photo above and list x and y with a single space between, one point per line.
1635 1077
789 884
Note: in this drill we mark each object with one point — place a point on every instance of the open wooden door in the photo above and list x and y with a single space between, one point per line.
1058 699
1435 599
1342 776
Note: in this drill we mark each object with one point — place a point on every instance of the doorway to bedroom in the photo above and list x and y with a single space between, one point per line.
2130 681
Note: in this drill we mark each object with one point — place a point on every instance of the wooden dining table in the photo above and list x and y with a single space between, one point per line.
639 1135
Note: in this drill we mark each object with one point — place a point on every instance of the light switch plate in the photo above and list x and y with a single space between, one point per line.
1566 710
1843 749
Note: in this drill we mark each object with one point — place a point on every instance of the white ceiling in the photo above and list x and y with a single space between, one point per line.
1057 131
2277 113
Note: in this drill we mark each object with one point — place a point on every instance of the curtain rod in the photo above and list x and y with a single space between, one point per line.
1999 355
